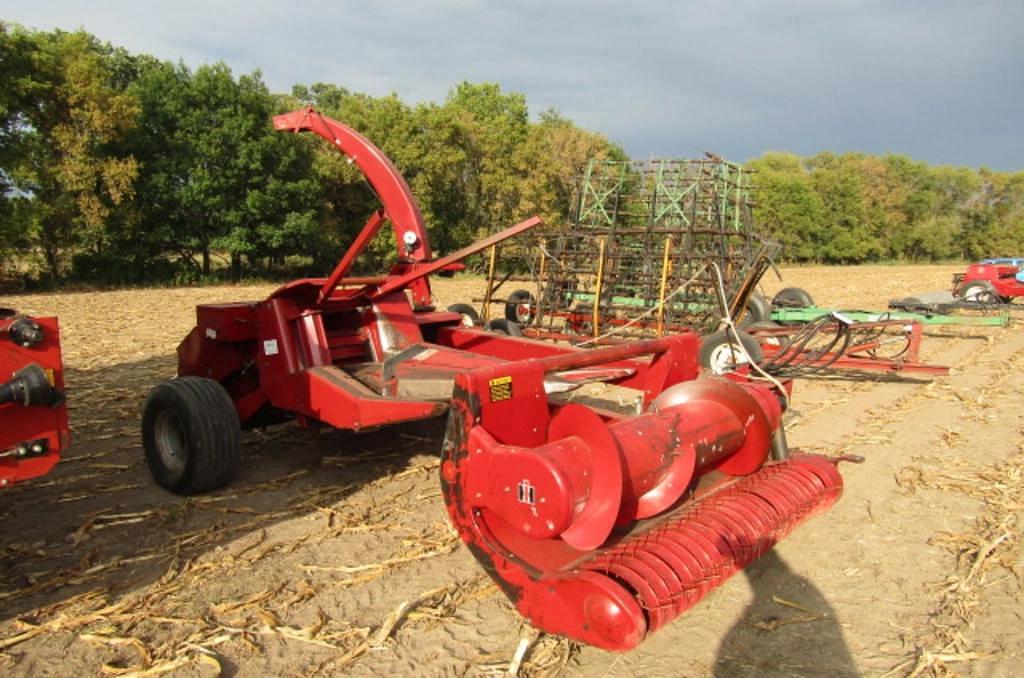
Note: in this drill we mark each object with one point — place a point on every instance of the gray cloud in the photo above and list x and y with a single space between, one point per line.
938 81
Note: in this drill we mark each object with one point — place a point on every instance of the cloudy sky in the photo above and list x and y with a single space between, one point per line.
938 80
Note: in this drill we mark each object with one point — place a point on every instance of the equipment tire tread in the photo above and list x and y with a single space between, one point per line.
210 430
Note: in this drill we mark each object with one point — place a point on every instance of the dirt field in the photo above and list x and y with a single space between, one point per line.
304 565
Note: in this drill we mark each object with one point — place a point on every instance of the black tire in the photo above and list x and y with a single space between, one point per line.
504 326
191 435
979 292
792 297
759 309
521 307
713 351
470 318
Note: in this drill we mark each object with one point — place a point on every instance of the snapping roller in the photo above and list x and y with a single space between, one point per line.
604 526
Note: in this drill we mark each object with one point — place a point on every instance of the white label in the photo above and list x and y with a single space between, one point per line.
270 347
211 333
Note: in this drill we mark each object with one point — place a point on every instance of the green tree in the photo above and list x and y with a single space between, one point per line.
218 178
493 127
995 216
883 198
847 236
71 114
551 162
17 86
788 206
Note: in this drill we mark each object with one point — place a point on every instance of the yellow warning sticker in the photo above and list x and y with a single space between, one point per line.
501 388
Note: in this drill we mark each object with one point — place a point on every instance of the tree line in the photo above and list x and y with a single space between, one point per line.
854 208
120 168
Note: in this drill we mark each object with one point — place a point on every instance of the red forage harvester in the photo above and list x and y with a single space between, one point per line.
605 491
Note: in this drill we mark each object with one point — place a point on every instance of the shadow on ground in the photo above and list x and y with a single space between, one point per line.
98 522
787 611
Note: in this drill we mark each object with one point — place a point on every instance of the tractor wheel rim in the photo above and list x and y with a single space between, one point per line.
466 320
725 358
170 441
977 294
524 312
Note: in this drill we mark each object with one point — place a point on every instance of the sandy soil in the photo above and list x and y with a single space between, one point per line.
305 564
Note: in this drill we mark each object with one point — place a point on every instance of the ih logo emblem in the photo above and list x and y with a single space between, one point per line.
527 492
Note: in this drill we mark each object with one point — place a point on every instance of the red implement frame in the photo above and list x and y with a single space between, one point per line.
32 437
875 354
400 207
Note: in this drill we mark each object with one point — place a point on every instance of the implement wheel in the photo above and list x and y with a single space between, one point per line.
792 297
759 309
980 292
470 318
503 326
191 435
720 353
521 307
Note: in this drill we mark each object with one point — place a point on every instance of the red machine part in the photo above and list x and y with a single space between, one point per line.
890 345
989 283
400 206
872 354
289 352
604 527
33 415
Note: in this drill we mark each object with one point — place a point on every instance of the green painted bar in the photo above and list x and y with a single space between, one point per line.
805 315
636 302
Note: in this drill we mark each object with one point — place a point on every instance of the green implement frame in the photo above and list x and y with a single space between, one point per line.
806 315
648 247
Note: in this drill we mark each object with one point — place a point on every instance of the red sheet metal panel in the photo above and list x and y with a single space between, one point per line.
32 437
